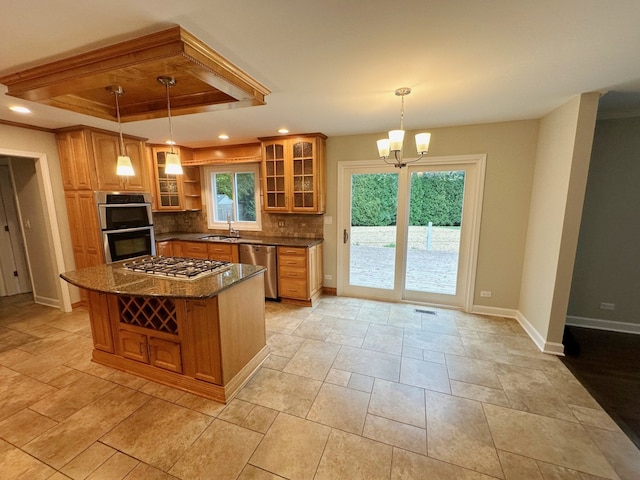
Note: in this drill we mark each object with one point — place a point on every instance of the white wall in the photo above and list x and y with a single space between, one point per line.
562 162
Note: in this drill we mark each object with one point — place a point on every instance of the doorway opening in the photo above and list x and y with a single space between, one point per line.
38 222
14 273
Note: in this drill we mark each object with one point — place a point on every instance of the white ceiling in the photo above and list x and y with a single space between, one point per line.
332 66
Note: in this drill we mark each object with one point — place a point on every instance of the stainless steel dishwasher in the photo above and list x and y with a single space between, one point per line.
266 256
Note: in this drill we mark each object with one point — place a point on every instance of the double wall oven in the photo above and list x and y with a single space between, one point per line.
126 222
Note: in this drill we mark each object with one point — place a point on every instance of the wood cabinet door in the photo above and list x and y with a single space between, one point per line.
85 231
74 160
133 345
275 176
106 150
139 182
177 248
168 188
100 323
304 179
202 341
165 354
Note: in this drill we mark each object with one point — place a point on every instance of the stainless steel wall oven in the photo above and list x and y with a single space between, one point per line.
126 222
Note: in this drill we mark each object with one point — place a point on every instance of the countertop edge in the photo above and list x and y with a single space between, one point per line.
144 277
275 241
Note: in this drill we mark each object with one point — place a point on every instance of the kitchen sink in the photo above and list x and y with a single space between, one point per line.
220 238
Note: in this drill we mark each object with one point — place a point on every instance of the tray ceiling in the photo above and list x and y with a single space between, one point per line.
205 81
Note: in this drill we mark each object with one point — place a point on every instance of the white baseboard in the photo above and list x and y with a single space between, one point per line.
544 346
551 348
49 302
494 311
599 324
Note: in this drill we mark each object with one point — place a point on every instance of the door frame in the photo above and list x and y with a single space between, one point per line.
478 160
45 187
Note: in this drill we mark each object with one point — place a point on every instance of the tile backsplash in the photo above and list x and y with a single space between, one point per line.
273 224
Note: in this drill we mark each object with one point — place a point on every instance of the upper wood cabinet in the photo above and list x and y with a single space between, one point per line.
75 160
175 192
106 148
88 161
293 173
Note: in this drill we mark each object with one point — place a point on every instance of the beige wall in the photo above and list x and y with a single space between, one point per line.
510 149
606 268
29 142
559 182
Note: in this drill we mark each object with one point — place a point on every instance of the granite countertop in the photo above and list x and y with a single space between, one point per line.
113 278
277 241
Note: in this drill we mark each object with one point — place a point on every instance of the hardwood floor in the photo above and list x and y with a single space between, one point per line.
608 365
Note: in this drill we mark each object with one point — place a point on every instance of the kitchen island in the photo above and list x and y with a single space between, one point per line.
205 336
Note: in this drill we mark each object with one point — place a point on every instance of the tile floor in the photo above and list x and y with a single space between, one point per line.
353 389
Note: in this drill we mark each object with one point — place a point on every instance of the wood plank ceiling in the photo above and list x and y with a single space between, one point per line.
205 80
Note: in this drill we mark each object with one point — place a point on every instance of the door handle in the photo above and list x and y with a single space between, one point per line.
345 236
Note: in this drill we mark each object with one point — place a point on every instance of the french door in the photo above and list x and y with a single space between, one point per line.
410 234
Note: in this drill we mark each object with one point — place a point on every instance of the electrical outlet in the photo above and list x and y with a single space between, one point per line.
607 306
485 293
281 223
328 277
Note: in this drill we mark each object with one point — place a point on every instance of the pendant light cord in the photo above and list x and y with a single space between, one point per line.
117 94
169 116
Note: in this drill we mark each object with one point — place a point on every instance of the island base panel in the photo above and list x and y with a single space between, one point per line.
218 393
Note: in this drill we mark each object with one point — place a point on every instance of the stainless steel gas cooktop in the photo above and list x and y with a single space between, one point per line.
177 267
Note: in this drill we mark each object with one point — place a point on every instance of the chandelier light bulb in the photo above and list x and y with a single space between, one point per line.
393 144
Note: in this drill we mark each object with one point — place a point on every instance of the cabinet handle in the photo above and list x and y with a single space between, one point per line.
140 348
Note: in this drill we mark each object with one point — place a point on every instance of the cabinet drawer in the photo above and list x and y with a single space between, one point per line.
219 249
293 272
291 261
195 250
299 251
293 288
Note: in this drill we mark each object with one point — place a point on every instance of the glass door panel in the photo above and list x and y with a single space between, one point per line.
433 239
372 256
274 177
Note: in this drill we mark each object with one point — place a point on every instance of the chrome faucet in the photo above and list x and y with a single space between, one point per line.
232 231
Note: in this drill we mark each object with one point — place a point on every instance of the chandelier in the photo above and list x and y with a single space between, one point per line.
393 144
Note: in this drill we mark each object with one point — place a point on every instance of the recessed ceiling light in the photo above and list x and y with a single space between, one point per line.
283 130
20 109
223 136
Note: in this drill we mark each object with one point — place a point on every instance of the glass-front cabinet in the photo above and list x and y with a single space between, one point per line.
275 194
175 192
169 187
293 173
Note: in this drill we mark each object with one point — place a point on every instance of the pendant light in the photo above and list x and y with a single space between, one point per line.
393 144
172 164
123 165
